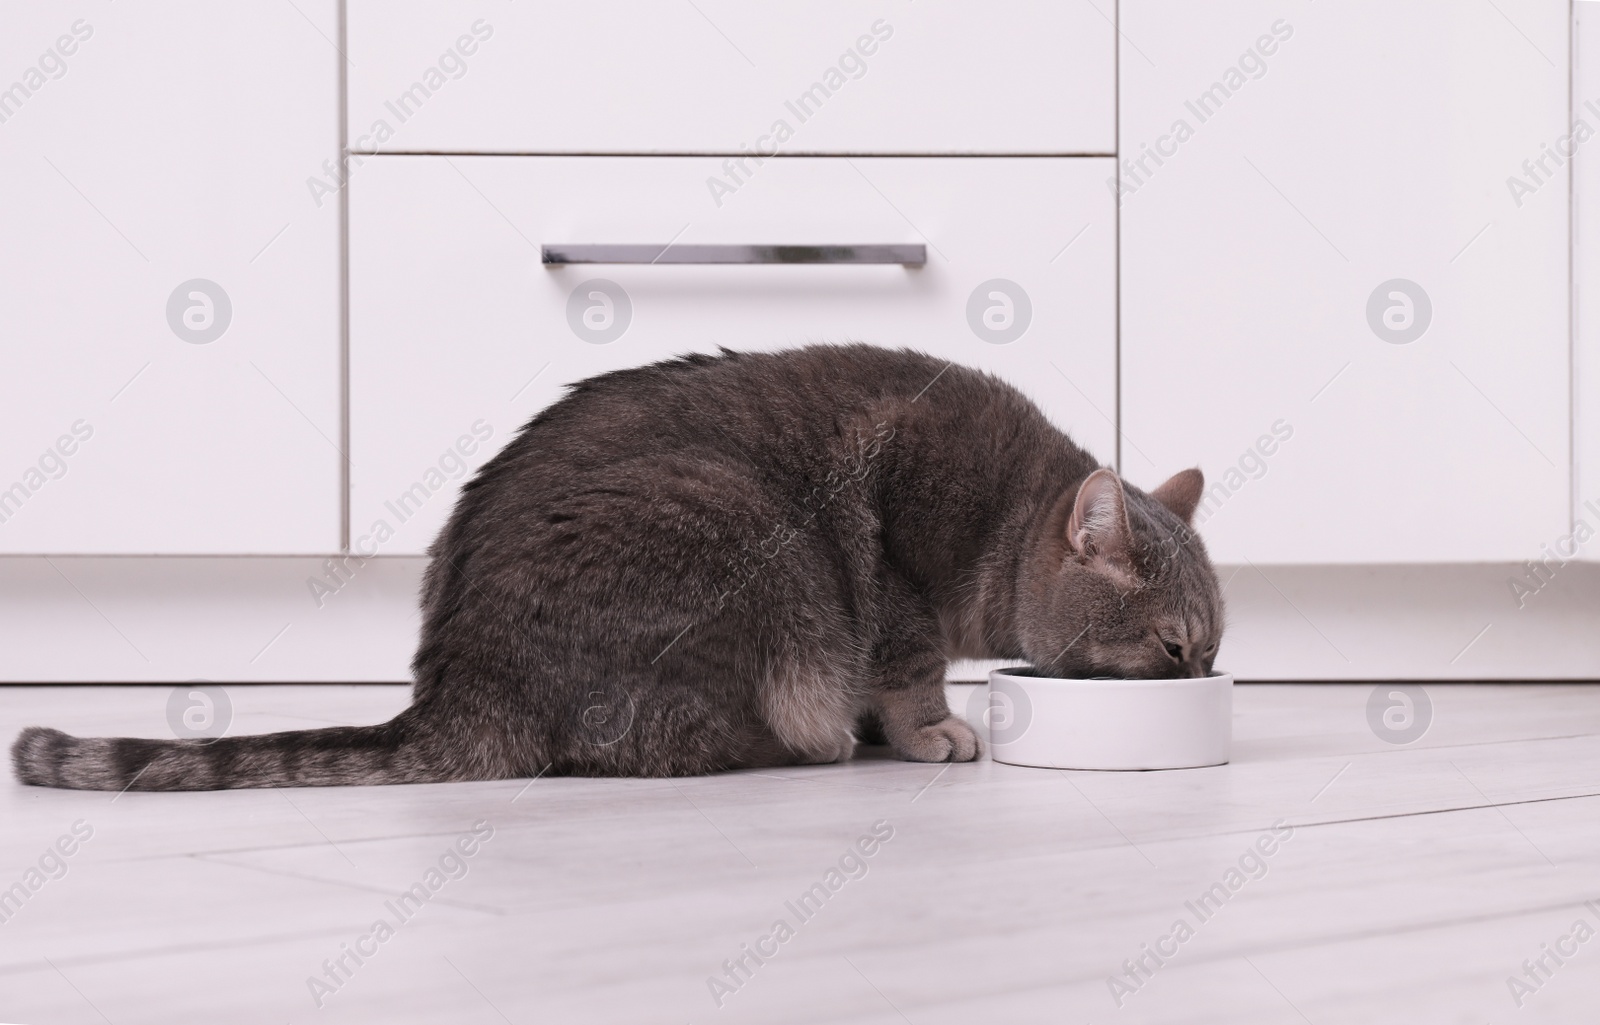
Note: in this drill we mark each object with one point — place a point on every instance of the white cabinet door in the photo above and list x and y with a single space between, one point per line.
169 288
1585 543
458 334
721 76
1344 273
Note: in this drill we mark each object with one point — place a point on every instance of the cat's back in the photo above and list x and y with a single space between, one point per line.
708 445
738 401
781 419
818 379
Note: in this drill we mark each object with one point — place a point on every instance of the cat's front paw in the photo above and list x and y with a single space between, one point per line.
949 741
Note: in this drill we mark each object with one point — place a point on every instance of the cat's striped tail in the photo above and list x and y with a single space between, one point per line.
391 752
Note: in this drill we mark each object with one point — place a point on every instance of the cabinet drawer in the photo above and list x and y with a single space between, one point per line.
458 332
719 76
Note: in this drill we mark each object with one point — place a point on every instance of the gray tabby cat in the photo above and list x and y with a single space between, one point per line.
742 560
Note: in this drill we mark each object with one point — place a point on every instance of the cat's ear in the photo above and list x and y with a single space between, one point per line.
1181 493
1098 532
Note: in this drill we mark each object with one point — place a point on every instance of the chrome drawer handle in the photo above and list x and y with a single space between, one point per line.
914 255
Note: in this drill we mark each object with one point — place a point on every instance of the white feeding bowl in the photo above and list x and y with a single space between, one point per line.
1109 724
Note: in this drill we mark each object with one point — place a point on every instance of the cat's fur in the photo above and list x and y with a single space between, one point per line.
739 560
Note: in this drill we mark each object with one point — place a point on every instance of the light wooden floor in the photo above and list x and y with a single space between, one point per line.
1417 879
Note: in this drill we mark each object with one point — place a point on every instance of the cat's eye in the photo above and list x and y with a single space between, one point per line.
1173 650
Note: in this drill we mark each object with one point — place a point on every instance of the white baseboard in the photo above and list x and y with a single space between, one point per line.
161 620
232 620
1460 622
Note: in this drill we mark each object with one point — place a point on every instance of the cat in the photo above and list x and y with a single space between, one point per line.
738 560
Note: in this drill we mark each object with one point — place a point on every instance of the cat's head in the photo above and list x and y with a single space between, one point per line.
1119 584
